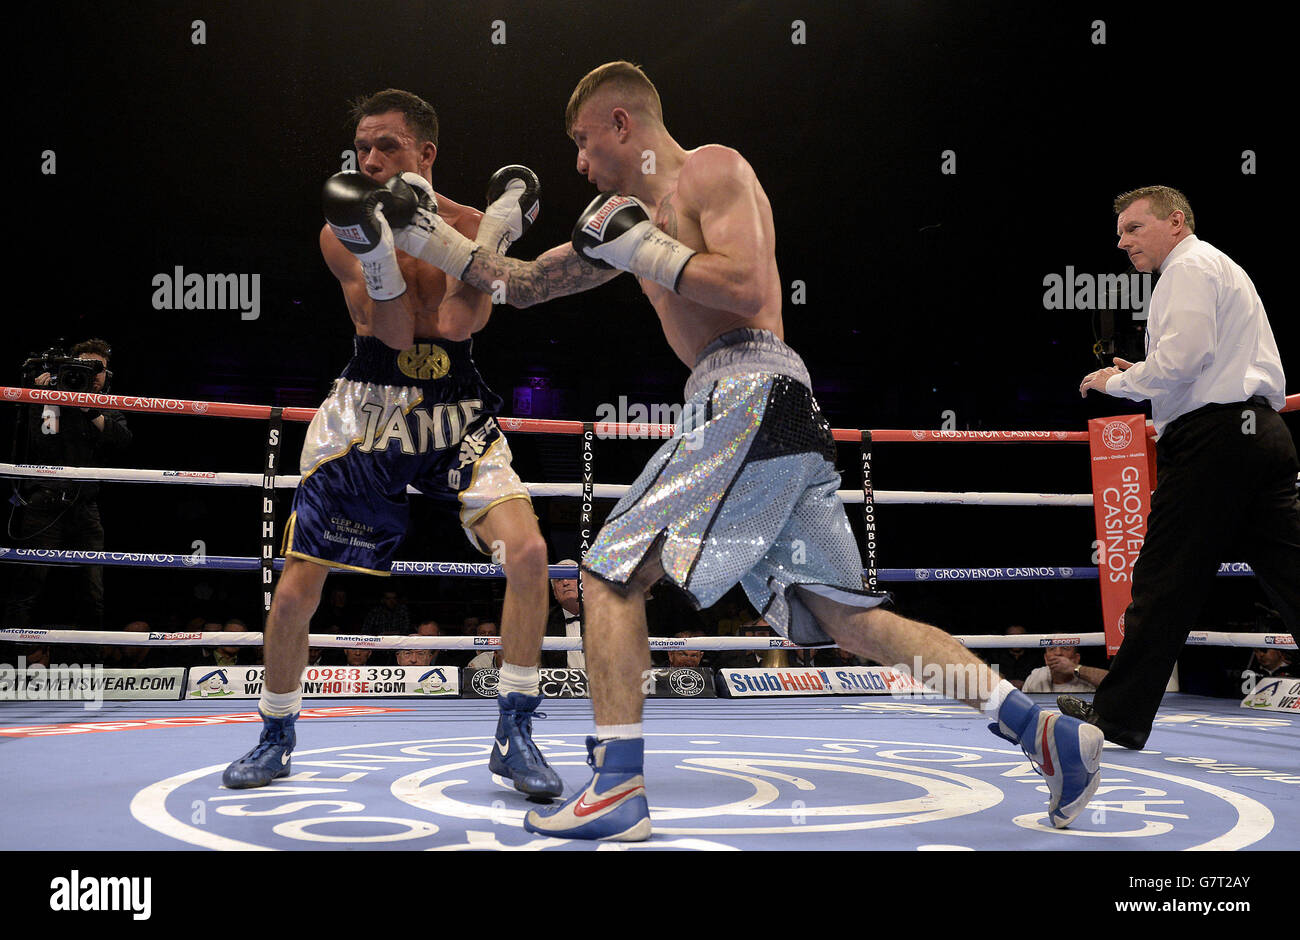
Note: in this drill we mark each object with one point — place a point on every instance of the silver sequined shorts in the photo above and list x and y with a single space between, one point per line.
745 494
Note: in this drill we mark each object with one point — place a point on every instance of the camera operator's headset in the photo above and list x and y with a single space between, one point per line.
43 362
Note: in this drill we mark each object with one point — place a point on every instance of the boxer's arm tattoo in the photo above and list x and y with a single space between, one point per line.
557 273
667 220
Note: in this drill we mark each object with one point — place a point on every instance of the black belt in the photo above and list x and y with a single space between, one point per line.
1222 406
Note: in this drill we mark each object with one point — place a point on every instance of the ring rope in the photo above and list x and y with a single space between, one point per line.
601 490
466 569
524 425
703 643
530 425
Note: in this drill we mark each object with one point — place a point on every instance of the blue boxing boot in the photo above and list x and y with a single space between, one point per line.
612 807
269 760
515 756
1066 751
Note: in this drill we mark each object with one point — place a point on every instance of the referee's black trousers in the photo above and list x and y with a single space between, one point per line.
1225 491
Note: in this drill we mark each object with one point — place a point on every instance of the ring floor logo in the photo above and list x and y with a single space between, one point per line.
707 792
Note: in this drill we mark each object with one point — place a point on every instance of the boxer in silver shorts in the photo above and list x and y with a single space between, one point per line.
747 493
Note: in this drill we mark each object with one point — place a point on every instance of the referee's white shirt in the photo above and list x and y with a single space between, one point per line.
1208 339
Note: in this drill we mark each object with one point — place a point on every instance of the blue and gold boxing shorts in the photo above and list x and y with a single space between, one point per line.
419 417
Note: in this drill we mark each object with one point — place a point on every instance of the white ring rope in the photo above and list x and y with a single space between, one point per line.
601 490
705 643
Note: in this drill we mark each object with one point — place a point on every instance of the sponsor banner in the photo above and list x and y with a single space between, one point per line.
46 555
1121 497
848 680
1235 568
989 435
988 574
669 682
456 568
23 634
330 682
89 683
55 396
555 683
135 684
683 682
1274 695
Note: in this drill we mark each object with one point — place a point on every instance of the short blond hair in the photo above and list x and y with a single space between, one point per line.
628 80
1165 201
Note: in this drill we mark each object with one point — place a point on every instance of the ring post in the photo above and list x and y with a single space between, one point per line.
269 466
1121 491
868 516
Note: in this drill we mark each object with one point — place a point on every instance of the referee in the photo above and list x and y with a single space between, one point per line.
1225 462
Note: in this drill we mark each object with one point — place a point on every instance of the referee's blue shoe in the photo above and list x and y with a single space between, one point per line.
612 807
269 760
1066 751
515 756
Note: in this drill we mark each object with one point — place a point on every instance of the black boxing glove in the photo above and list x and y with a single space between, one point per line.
349 201
428 237
356 209
615 231
512 206
419 189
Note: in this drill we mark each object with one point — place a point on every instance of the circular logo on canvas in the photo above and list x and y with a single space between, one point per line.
705 790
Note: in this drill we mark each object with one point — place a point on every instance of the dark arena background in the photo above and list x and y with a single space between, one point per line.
931 167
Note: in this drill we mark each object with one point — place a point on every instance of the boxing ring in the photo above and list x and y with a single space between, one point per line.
904 771
723 775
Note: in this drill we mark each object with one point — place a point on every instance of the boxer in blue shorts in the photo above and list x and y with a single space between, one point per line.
409 409
746 494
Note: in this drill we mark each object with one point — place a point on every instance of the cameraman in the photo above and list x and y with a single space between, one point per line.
62 514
